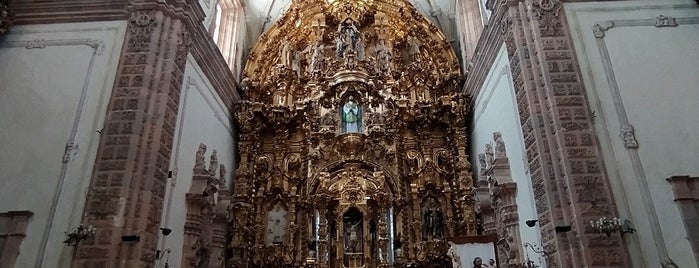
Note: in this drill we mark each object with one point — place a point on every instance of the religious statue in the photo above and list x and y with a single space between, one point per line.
352 238
489 154
287 55
414 48
213 163
481 161
200 158
317 59
351 116
383 58
347 37
432 220
499 145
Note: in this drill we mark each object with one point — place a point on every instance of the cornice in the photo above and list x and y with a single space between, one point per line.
190 12
64 11
487 48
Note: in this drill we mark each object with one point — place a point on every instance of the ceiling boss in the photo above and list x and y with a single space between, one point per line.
352 141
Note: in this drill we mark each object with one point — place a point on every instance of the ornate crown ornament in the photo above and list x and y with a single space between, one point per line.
344 9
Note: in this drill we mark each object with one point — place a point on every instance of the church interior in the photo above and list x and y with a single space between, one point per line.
349 133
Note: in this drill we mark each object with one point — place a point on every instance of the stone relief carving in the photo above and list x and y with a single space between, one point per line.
665 21
628 136
599 29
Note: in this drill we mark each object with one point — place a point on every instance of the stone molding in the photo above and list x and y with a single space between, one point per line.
627 133
204 50
71 147
565 163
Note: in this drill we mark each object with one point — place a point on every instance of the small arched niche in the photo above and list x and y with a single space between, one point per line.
351 111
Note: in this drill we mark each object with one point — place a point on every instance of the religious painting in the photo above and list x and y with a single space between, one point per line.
473 252
276 225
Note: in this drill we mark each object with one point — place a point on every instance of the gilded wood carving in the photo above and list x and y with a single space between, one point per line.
354 120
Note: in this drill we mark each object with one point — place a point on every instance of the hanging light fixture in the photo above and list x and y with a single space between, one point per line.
610 225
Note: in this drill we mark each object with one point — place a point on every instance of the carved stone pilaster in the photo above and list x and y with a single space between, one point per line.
7 17
559 139
136 144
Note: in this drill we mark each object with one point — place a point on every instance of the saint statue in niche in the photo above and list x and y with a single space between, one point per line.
347 37
432 222
352 237
287 54
383 58
351 116
276 225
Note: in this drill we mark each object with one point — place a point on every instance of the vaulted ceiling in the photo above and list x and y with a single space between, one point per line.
261 14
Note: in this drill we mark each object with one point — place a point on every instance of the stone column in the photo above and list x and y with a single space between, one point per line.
323 241
15 231
220 226
570 188
131 168
383 239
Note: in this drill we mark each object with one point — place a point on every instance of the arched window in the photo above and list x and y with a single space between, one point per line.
226 29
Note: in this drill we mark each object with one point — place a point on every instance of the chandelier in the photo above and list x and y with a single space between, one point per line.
610 225
79 233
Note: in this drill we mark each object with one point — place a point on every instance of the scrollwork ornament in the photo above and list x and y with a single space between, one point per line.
599 29
141 25
628 135
665 21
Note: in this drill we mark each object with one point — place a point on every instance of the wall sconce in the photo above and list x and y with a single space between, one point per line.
79 233
609 225
536 249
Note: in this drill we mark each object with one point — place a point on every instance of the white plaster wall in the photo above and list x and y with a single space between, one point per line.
495 110
657 77
39 95
202 118
209 7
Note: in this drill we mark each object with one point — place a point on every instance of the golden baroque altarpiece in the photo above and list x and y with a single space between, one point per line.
353 149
